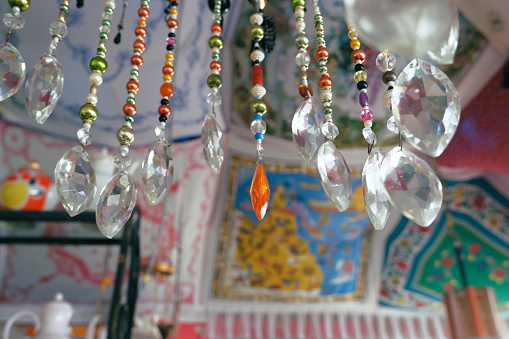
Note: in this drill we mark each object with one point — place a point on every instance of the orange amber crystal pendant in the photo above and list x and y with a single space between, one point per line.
260 192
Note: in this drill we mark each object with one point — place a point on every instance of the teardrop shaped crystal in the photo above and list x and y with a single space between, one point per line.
43 88
12 71
307 135
260 192
75 180
426 107
411 186
212 141
334 175
376 200
116 203
157 172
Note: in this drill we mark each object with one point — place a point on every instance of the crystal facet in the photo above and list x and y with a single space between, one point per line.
376 200
306 130
214 99
330 130
260 192
426 107
369 135
58 28
392 125
212 141
12 71
116 204
258 126
444 55
43 88
157 172
75 180
14 21
84 136
334 175
411 186
385 61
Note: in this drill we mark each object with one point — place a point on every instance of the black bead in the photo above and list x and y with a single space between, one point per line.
390 87
167 10
362 85
174 3
171 35
388 77
165 101
169 47
359 67
163 118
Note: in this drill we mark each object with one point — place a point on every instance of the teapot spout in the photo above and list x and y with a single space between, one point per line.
92 325
16 316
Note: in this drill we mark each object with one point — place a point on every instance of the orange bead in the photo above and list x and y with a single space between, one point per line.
303 91
142 23
168 70
215 65
260 192
325 81
322 52
167 90
358 54
140 31
216 28
172 23
129 109
132 85
144 13
136 60
164 110
140 45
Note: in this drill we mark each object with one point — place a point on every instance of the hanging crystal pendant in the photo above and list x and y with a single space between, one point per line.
306 131
157 172
426 107
334 175
12 71
444 55
411 186
212 141
75 180
260 192
376 200
43 88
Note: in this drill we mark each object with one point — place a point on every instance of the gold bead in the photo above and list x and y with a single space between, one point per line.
125 135
360 76
352 34
355 43
174 11
88 112
22 4
167 77
170 56
142 23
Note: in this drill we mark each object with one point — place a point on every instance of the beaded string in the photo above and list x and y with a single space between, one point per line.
385 62
302 43
214 81
58 28
14 20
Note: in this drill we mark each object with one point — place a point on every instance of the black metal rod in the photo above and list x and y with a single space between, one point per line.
88 216
461 266
57 241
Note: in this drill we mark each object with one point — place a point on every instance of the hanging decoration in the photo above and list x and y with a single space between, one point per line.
211 133
12 64
118 197
74 174
46 79
157 168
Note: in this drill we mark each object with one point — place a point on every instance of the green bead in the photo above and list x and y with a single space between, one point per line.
125 135
88 112
327 110
130 100
22 4
256 32
215 56
299 18
217 10
129 118
323 69
101 54
214 80
135 72
216 41
318 18
106 23
103 36
318 25
217 22
296 3
258 106
144 2
108 10
98 64
64 8
301 40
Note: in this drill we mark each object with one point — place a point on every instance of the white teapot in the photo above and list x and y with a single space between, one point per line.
56 318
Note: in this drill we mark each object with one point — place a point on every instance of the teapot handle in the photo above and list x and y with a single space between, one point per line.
16 316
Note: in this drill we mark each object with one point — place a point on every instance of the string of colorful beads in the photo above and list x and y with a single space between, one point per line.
58 28
302 43
385 62
214 81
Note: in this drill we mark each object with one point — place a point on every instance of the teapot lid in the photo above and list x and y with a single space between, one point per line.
58 304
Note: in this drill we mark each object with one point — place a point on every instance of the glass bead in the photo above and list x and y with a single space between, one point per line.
369 135
385 61
160 132
387 98
360 76
330 130
104 29
214 80
366 114
84 136
214 99
107 16
258 126
352 34
98 64
14 22
302 58
122 161
392 125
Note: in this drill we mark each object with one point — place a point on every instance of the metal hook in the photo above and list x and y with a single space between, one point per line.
370 147
400 142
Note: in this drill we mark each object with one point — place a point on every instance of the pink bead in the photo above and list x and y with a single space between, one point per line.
171 41
366 115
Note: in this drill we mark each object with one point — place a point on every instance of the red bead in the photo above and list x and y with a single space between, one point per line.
257 75
133 85
136 60
172 23
358 54
325 81
143 12
168 70
164 110
216 28
303 91
322 52
129 109
167 90
140 45
140 31
215 65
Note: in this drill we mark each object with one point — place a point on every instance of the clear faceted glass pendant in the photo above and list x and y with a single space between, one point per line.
376 200
116 203
307 135
157 172
444 55
12 71
75 180
212 141
43 88
334 175
426 107
260 192
411 186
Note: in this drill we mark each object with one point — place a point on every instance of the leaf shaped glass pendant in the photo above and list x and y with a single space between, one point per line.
75 180
157 172
12 71
307 135
116 203
212 141
376 200
260 192
426 107
411 186
334 175
43 88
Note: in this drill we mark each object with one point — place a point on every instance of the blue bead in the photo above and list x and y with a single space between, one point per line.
258 136
258 117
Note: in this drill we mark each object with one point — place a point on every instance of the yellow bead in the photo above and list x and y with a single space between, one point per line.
350 27
360 76
142 23
168 63
355 44
174 11
167 77
169 56
352 34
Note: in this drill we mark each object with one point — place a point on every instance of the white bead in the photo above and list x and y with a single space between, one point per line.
215 50
258 91
300 25
214 71
86 126
214 90
91 98
326 95
305 82
256 19
328 117
110 4
368 123
257 55
95 78
16 10
364 90
390 83
216 33
172 30
299 12
124 150
173 16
